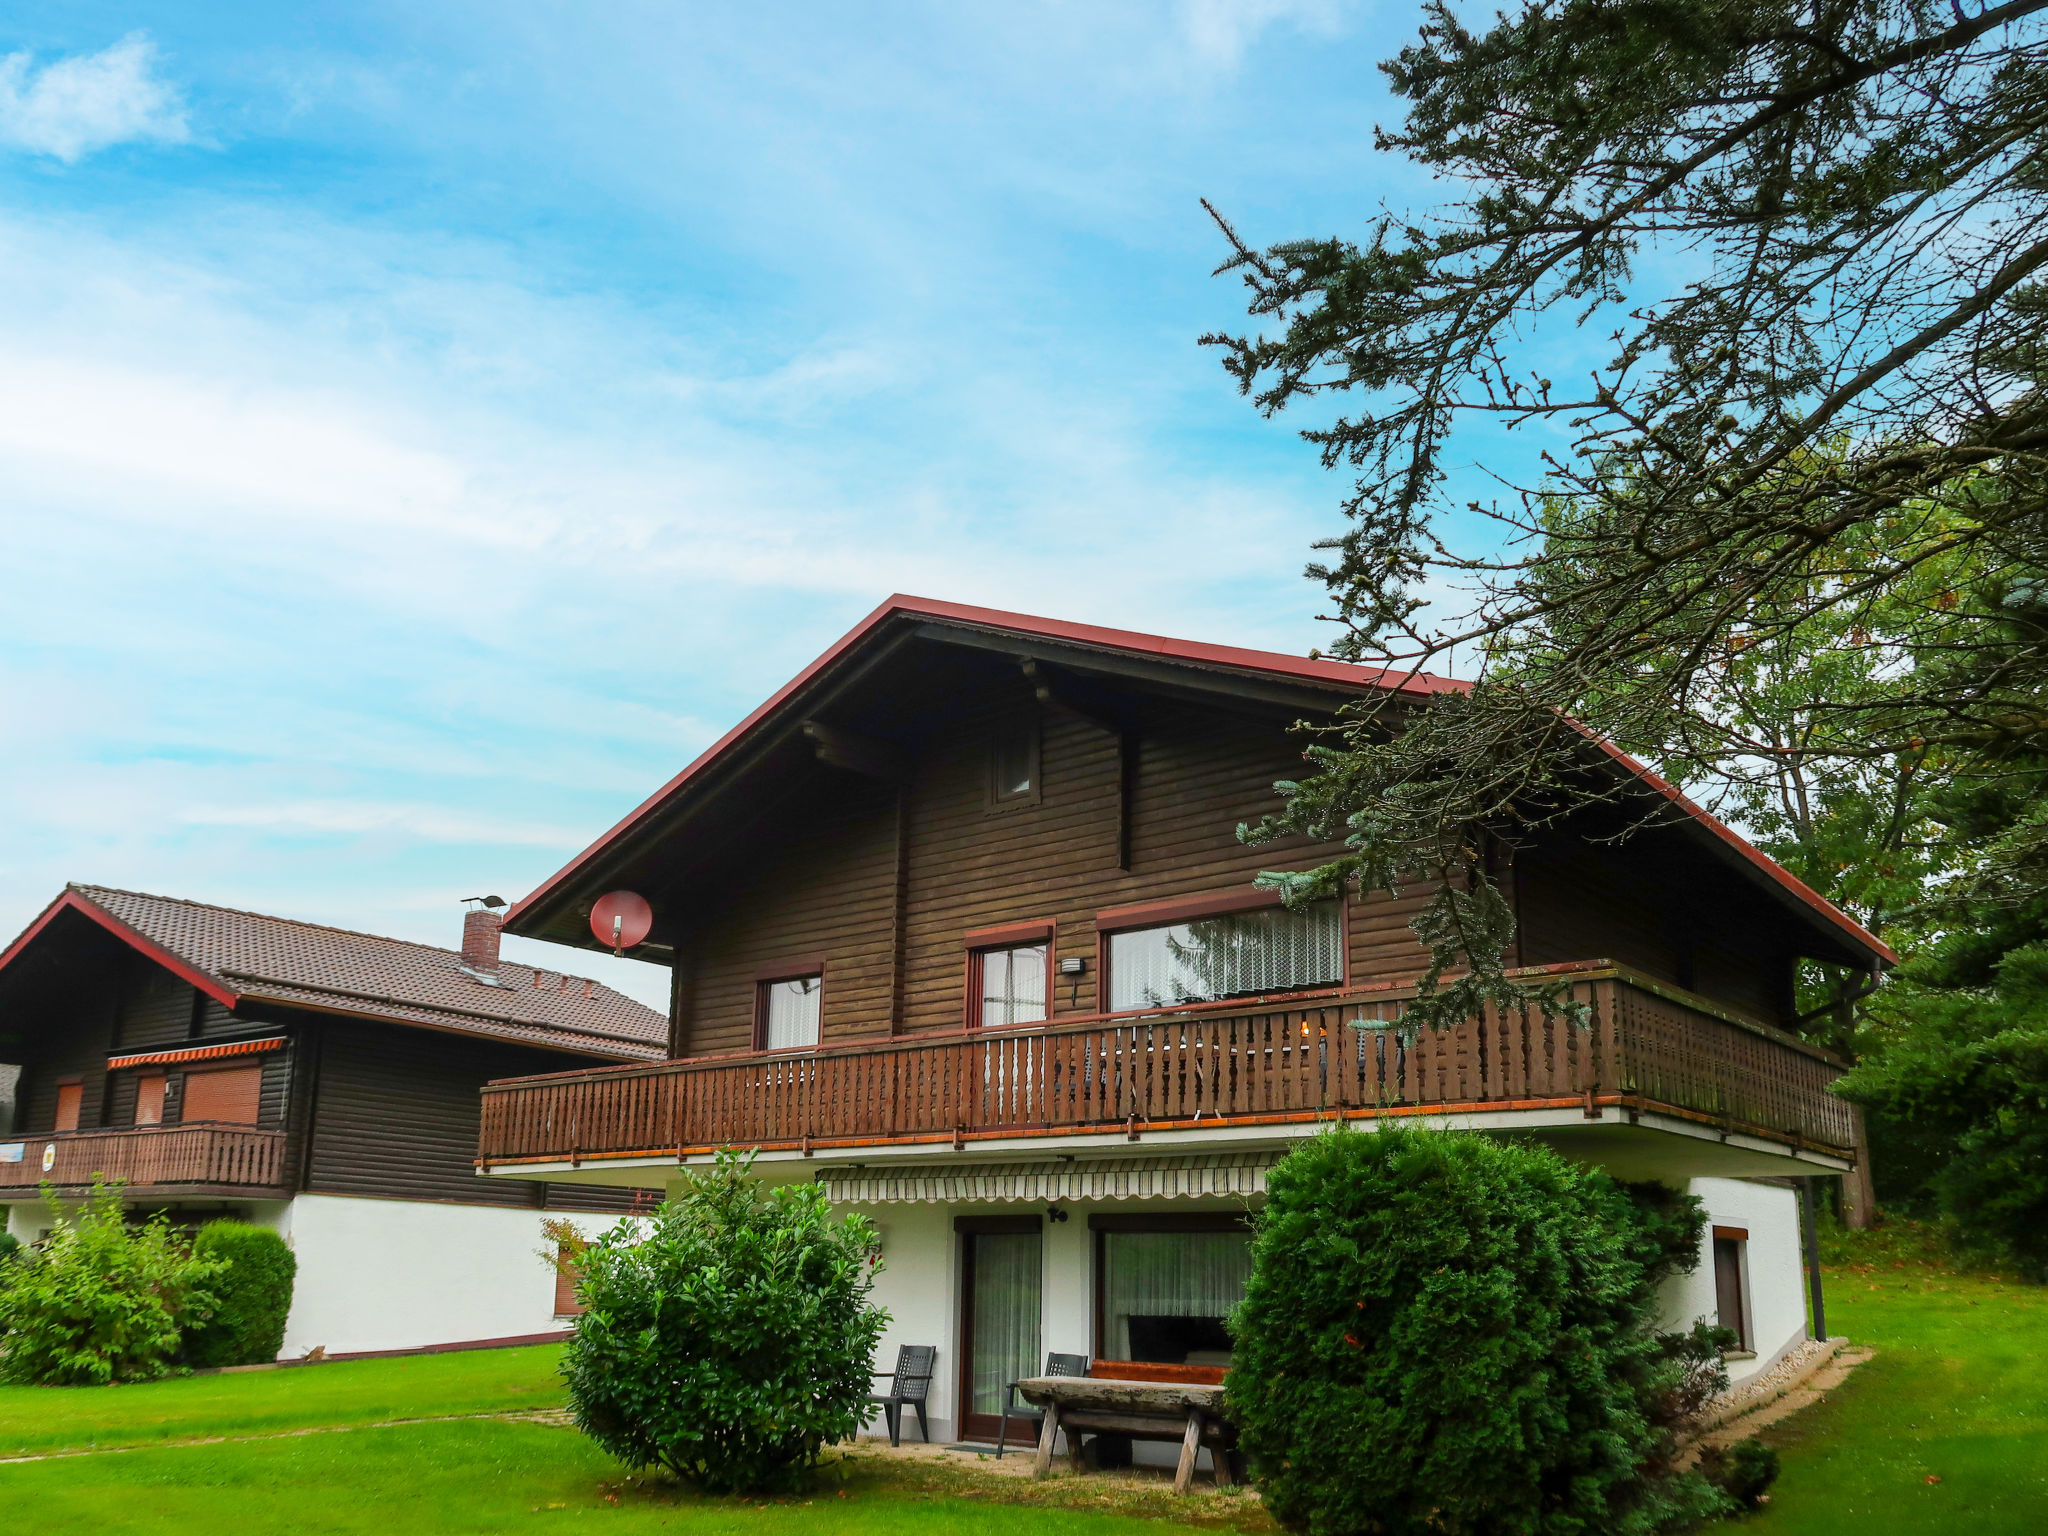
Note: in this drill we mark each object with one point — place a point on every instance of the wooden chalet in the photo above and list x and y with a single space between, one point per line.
321 1081
960 924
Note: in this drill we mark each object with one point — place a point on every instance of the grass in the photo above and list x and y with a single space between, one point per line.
1947 1429
253 1402
491 1475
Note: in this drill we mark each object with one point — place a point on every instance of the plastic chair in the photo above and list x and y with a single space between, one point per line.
1055 1365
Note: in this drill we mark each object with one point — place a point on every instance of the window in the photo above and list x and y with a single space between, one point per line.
567 1273
70 1095
1234 954
789 1006
1013 765
1730 1293
226 1094
1008 985
1164 1285
149 1099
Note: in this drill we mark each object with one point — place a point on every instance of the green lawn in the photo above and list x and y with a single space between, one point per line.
252 1402
1958 1392
485 1475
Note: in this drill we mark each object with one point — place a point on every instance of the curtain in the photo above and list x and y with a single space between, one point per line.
1007 1272
1169 1274
1244 954
1013 985
792 1013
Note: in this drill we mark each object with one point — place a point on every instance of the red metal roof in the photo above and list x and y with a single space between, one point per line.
236 957
1196 654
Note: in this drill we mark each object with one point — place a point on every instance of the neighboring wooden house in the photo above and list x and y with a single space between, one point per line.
961 926
307 1078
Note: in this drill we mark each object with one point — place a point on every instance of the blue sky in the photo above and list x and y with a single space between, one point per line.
423 428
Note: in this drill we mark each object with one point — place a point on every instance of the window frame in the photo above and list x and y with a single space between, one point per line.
1738 1239
980 942
1111 921
162 1079
239 1066
796 968
1032 736
74 1081
1102 1224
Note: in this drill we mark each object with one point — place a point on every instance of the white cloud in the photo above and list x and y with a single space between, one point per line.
89 101
1219 31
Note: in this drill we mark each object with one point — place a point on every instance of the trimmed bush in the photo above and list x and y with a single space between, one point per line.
1744 1471
1455 1335
100 1300
252 1295
728 1335
10 1245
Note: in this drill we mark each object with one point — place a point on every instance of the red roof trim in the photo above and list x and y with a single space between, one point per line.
1342 673
1797 888
211 985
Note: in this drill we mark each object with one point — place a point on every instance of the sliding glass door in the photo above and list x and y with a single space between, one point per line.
1001 1296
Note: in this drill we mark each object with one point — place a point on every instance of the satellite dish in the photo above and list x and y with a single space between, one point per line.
621 919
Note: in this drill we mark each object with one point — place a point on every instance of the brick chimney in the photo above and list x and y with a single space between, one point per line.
480 938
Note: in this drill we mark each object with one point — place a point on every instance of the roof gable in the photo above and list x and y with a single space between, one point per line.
1196 664
237 957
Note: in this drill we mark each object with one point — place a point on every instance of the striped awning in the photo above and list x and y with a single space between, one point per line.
1109 1178
176 1054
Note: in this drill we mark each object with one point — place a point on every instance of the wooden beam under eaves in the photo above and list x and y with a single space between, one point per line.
856 754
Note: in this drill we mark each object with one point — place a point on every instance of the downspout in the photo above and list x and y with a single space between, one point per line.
1810 1220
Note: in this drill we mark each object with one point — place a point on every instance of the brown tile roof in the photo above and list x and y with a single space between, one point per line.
335 970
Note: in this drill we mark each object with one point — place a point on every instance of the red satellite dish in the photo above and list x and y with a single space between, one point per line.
621 919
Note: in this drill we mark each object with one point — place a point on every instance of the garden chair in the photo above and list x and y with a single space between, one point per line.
908 1384
1055 1365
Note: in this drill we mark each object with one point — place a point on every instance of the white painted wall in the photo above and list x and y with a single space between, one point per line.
920 1285
397 1274
1776 1280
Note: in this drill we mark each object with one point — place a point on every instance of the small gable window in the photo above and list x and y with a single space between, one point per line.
1013 765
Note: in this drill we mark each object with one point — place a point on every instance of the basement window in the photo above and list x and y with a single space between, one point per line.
1731 1284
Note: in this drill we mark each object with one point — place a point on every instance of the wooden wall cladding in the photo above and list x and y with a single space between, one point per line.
157 1008
825 880
396 1114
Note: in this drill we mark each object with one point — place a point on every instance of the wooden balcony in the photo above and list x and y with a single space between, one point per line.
1647 1047
165 1161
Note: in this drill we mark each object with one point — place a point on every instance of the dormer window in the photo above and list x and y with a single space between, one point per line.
1013 765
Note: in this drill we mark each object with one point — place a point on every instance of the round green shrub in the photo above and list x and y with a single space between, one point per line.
252 1295
728 1335
10 1245
1455 1335
100 1300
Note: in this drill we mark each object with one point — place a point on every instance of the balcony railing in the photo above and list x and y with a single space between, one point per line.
195 1158
1645 1046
